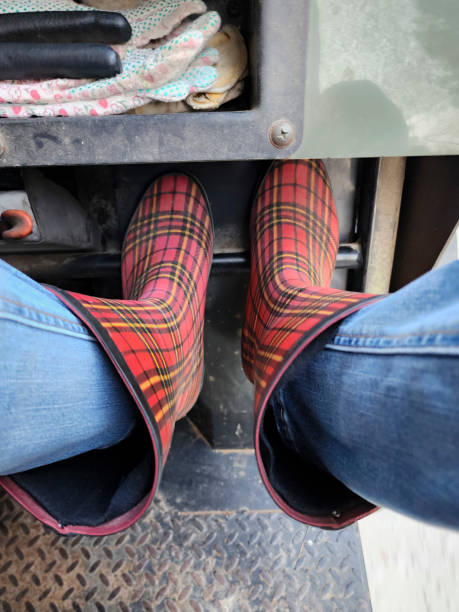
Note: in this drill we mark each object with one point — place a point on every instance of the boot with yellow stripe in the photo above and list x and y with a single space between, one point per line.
294 240
154 338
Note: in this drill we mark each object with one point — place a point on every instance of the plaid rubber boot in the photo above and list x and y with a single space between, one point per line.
154 335
294 238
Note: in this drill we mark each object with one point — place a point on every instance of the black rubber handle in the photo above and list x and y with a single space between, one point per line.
47 61
65 26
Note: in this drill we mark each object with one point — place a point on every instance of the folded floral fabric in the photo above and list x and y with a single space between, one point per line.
196 78
151 20
142 69
231 70
199 101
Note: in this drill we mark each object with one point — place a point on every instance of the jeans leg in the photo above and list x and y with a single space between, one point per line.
59 394
379 406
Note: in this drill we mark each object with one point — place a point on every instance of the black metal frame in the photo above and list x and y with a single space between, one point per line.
277 50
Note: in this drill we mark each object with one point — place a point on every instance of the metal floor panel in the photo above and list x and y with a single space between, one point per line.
213 540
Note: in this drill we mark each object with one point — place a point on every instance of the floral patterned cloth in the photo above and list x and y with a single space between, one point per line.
195 79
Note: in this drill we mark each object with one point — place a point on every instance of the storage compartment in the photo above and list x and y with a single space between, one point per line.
265 122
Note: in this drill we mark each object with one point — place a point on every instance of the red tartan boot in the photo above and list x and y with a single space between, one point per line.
294 237
154 338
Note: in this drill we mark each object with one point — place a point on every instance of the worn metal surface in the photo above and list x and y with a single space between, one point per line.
188 562
277 51
192 552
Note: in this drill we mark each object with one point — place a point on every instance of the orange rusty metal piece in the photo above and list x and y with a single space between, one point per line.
15 224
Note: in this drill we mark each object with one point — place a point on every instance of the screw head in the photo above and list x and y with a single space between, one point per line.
282 133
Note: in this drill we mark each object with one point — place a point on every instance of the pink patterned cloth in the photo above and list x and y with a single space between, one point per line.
195 79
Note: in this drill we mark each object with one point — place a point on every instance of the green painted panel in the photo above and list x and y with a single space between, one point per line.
382 78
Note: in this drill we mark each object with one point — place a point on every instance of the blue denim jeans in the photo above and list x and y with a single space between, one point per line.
378 407
59 394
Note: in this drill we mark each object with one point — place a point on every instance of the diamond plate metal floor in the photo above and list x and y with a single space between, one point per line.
213 540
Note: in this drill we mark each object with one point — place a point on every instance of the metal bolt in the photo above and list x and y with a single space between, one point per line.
336 514
281 133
